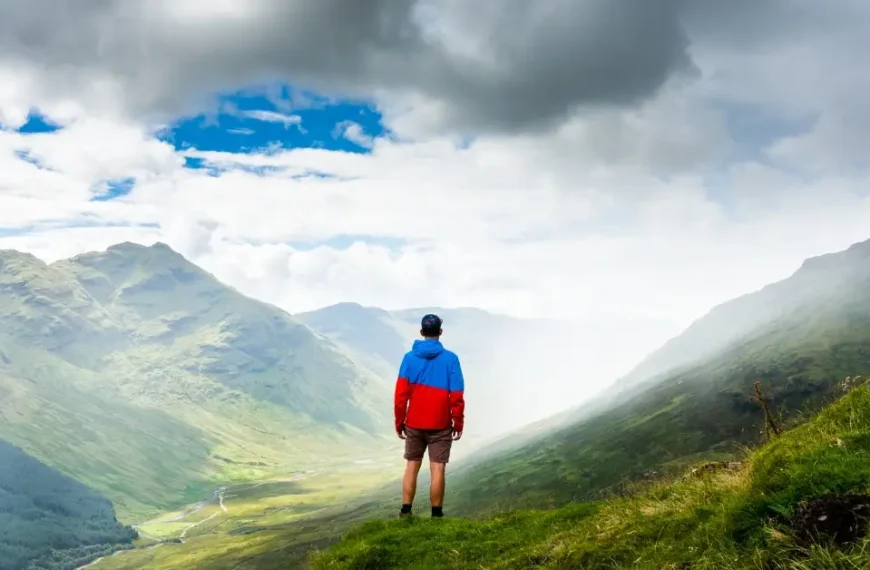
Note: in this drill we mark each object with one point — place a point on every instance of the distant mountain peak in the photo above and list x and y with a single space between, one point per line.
130 253
132 247
126 246
349 309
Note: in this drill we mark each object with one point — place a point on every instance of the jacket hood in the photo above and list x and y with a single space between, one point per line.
428 348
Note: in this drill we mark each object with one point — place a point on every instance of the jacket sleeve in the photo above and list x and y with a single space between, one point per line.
402 395
456 389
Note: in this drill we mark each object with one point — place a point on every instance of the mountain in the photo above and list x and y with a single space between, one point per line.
691 399
504 359
818 283
141 375
49 521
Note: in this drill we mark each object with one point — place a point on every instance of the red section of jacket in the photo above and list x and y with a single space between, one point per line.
457 410
425 407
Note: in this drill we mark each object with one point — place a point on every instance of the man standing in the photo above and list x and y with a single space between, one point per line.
430 411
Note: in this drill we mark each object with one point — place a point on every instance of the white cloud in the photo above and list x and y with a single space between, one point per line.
653 210
354 133
274 117
480 226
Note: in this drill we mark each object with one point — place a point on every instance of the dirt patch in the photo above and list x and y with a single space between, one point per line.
842 519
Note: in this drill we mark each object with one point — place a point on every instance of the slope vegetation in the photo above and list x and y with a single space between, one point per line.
801 501
49 521
140 374
819 333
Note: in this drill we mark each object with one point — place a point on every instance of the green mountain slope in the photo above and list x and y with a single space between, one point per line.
819 284
818 333
800 502
49 521
143 376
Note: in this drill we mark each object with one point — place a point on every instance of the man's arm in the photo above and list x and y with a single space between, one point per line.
403 394
456 389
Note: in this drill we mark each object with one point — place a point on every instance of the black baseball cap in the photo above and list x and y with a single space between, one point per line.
430 325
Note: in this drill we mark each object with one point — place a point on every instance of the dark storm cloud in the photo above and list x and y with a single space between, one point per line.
489 65
531 62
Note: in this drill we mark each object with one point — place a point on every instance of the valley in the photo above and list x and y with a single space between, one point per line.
265 524
231 434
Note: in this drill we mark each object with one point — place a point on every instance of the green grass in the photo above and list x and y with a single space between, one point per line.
730 519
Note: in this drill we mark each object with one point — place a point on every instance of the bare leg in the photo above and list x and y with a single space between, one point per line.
436 492
409 484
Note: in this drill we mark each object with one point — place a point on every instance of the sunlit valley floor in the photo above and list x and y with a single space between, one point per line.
268 524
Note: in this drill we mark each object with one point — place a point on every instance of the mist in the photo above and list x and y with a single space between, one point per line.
520 371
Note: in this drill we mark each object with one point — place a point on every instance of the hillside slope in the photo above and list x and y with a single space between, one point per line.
818 282
802 501
49 521
702 409
141 375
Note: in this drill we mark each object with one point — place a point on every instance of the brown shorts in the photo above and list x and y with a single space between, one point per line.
438 441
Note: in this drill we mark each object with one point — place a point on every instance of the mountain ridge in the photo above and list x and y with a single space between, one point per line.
169 351
812 330
754 309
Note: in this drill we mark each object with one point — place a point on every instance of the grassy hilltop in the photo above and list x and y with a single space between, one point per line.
782 507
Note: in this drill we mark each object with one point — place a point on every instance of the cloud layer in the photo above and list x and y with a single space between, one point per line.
490 65
622 160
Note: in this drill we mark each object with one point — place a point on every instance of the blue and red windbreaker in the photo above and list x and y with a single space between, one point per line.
429 388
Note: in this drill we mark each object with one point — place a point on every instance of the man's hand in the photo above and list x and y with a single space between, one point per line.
457 435
401 432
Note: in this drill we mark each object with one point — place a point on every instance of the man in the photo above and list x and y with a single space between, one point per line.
430 411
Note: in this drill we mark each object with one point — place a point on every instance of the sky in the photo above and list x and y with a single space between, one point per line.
599 160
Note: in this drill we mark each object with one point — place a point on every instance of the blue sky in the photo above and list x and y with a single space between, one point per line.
37 123
253 119
242 123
